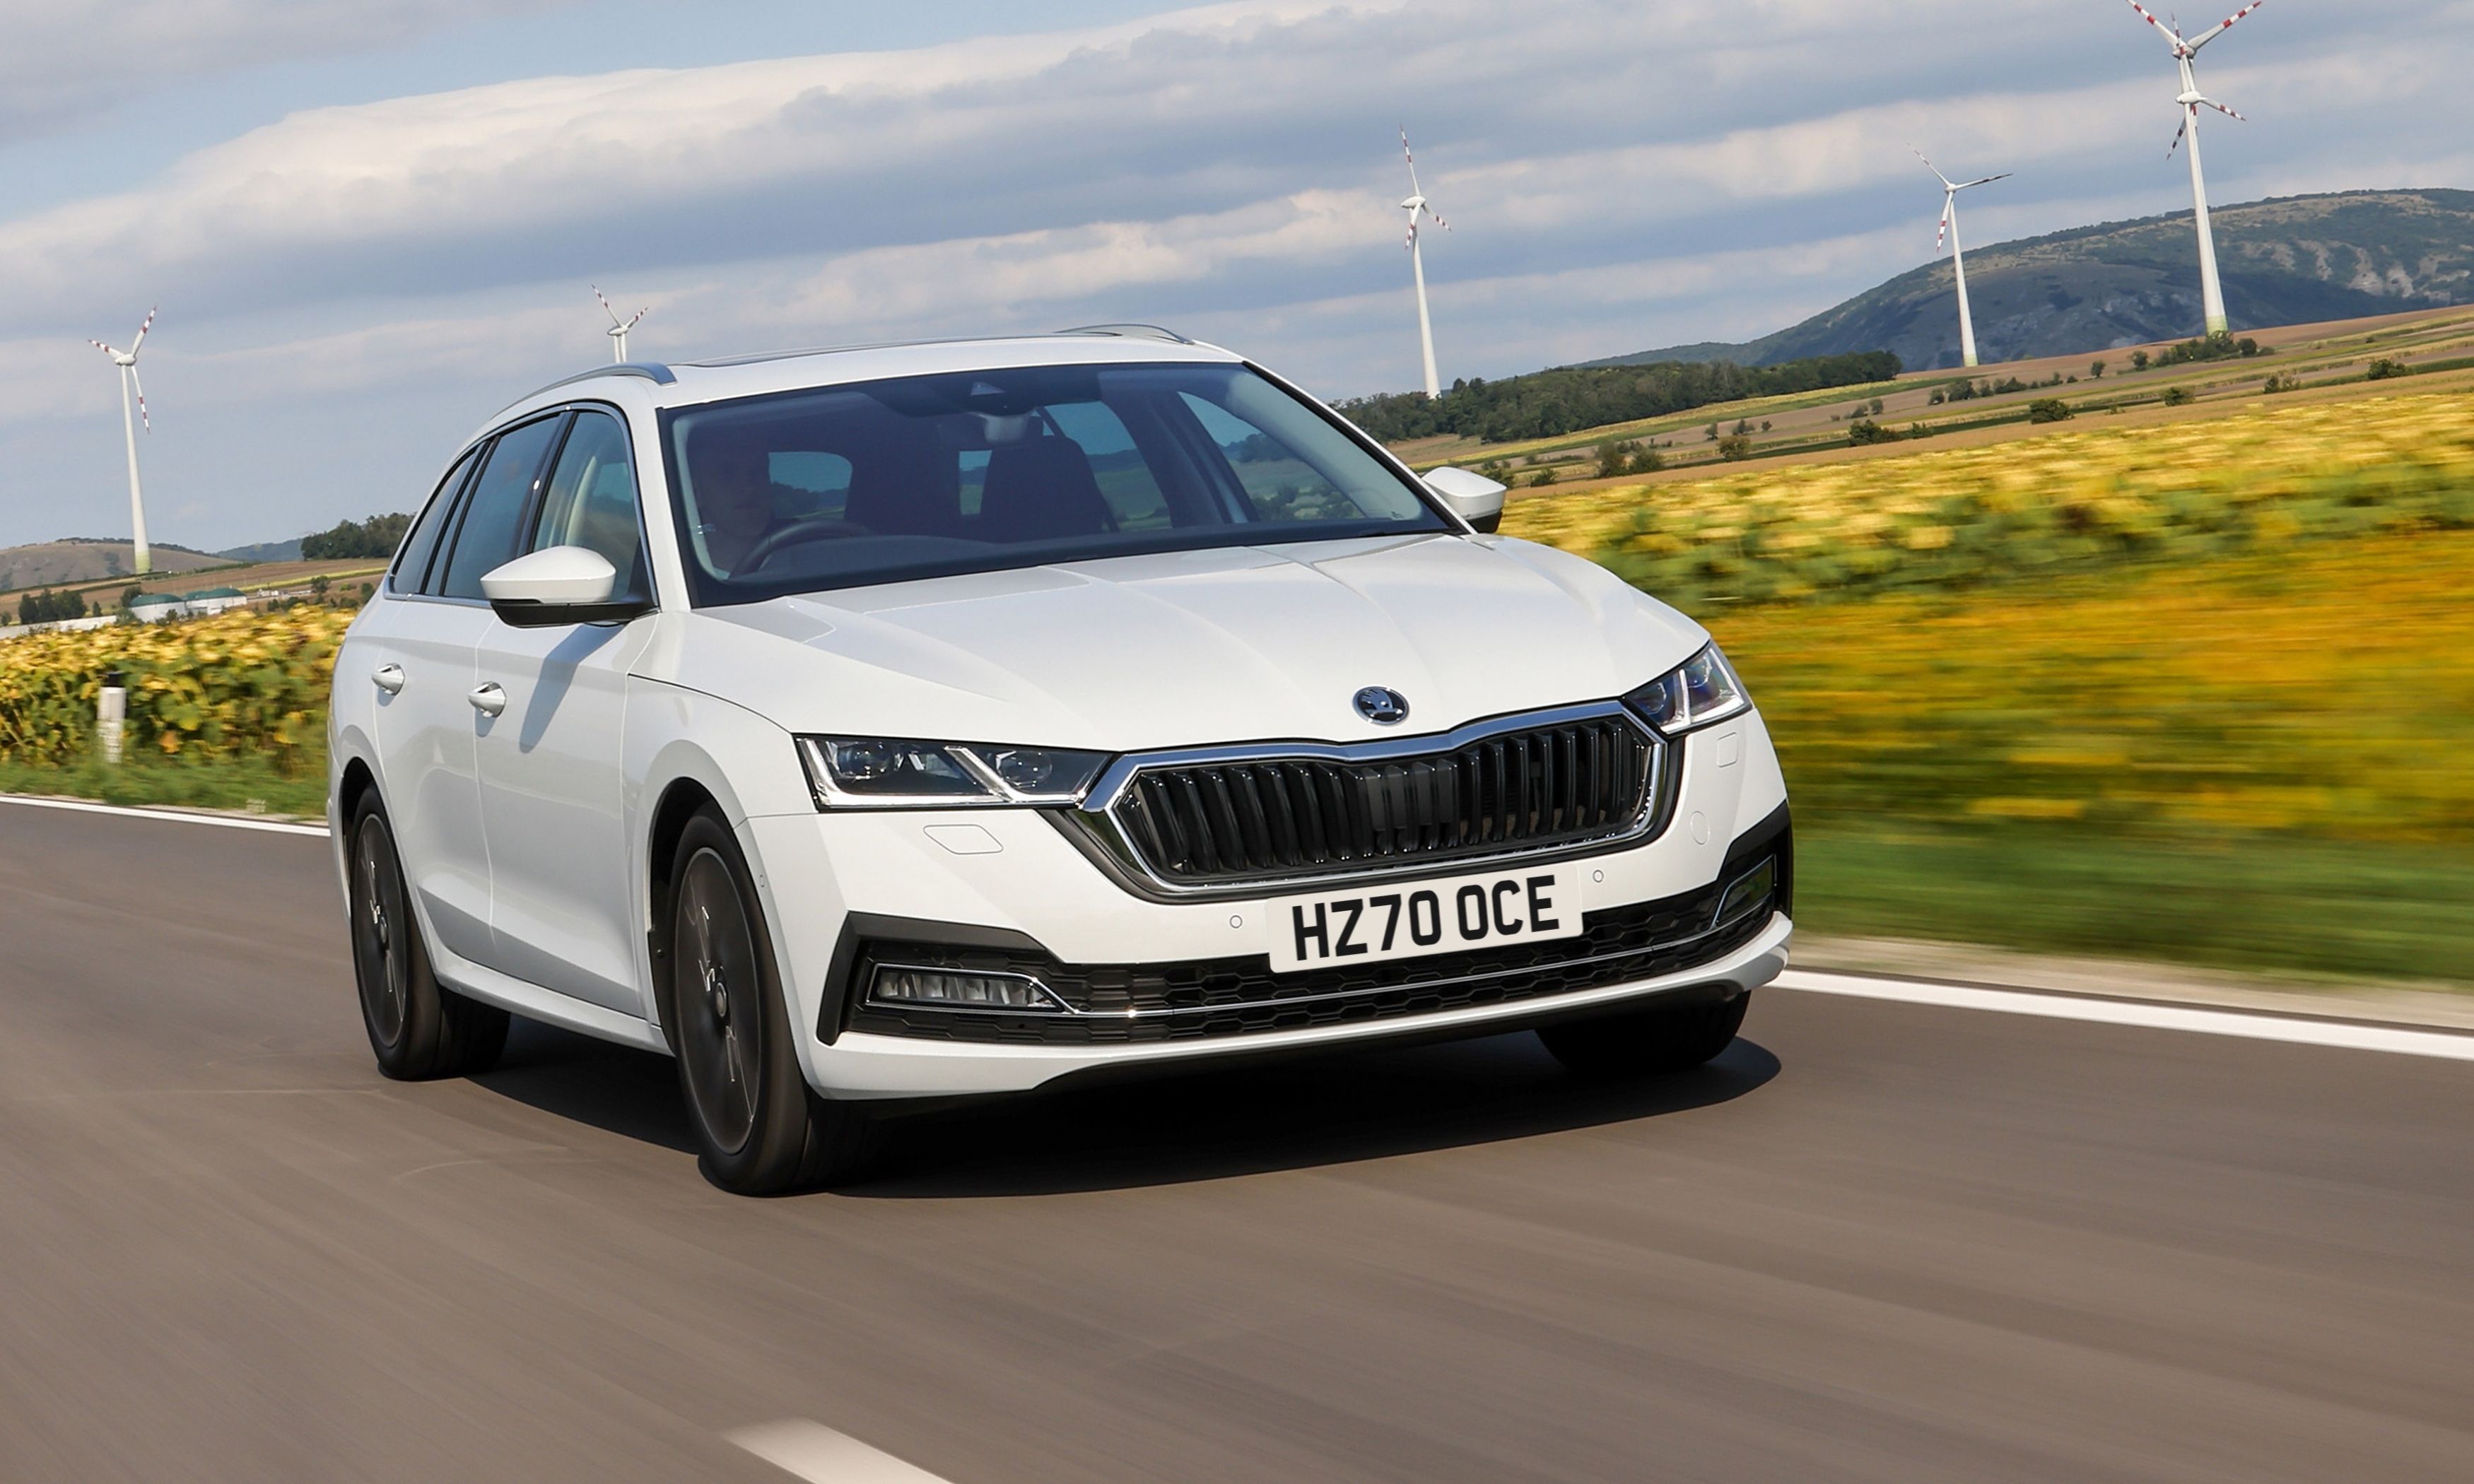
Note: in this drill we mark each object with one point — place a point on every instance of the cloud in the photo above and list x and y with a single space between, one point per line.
1620 175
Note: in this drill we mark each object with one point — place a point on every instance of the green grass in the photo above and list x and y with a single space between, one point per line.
2284 904
246 784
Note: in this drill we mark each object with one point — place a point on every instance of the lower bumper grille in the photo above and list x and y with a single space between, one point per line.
1213 998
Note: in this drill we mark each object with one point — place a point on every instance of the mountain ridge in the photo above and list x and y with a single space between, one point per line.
2286 260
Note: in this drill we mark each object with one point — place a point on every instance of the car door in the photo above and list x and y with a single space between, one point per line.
554 792
428 731
416 656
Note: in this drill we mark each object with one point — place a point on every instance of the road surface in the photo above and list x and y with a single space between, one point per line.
1876 1241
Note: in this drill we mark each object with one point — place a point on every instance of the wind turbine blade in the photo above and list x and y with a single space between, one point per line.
106 350
2172 148
1928 164
2222 108
605 302
2173 37
1412 159
1437 219
2223 26
639 319
141 332
1987 181
1941 238
142 418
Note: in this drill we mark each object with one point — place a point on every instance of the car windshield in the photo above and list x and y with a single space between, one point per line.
929 476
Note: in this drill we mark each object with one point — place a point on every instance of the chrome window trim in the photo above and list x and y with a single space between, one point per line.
1097 817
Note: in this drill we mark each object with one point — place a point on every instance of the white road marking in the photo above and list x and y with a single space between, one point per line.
820 1455
2146 1014
178 817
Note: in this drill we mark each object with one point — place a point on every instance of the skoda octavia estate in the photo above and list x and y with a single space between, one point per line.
875 725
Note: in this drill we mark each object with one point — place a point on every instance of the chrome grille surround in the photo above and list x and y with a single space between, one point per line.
1592 776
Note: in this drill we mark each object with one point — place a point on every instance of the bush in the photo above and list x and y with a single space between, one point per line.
49 607
2179 396
2050 408
1735 447
1865 430
2138 360
2386 369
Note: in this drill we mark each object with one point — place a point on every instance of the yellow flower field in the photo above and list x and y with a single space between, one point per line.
243 683
2325 690
2060 503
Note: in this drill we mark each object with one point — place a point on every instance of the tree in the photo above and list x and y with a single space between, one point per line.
1865 430
2096 371
2179 396
2387 370
2138 360
130 597
2050 408
1552 403
318 586
373 538
1735 447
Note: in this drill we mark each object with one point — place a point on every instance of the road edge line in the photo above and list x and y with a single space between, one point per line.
2148 1014
178 816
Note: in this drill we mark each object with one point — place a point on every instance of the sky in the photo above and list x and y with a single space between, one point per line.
369 226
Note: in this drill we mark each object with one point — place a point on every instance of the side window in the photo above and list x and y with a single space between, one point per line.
1125 479
1278 485
591 501
494 514
412 558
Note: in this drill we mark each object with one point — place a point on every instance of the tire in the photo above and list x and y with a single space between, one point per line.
760 1129
1663 1039
418 1028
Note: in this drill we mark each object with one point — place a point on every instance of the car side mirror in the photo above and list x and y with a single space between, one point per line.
1473 498
562 584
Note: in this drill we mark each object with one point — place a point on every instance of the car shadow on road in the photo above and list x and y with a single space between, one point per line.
618 1089
1337 1109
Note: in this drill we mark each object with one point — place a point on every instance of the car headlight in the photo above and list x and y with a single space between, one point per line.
1701 690
889 772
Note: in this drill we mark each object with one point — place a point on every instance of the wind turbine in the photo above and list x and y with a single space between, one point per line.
130 386
1957 256
619 327
1415 206
2186 52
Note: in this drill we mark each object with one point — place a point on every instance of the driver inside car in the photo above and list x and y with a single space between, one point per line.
734 496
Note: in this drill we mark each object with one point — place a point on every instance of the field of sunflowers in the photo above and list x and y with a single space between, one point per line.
241 686
2076 501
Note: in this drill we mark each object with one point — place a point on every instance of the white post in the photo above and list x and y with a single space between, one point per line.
1425 325
2212 290
136 501
111 715
1958 263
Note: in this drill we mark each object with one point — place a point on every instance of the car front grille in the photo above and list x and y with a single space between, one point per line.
1214 999
1250 821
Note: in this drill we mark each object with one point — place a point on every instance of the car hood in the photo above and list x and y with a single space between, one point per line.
1187 648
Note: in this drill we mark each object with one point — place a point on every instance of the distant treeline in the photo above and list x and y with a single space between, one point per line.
1551 404
48 607
377 537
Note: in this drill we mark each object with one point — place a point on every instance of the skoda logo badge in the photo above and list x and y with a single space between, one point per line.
1382 706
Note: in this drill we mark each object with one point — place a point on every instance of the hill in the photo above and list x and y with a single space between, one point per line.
265 551
1549 403
2288 261
51 564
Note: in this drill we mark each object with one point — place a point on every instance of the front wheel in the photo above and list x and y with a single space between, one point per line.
759 1130
1663 1038
418 1028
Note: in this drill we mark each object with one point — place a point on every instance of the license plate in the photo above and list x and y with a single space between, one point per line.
1409 921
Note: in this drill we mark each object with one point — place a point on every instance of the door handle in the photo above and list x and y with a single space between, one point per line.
488 700
388 677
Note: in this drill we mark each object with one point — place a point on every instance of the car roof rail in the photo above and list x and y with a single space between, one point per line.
653 371
1131 332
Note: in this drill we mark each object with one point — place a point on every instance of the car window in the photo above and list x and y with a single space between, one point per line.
494 512
412 558
590 501
926 476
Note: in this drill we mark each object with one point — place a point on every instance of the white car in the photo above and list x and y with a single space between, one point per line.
918 721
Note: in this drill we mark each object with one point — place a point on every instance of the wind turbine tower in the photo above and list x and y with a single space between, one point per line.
2185 52
619 327
1957 256
130 389
1415 206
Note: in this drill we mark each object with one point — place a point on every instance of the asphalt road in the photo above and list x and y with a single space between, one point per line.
1876 1241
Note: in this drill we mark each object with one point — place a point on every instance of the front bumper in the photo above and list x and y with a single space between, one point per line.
1157 981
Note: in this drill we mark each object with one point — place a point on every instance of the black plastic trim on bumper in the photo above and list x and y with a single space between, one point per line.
1216 998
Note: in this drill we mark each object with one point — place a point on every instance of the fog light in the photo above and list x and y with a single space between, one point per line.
949 989
1747 892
